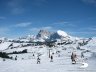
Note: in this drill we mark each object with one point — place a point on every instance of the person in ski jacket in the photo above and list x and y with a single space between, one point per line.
51 58
38 60
73 57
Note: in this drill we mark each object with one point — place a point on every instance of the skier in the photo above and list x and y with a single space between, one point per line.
51 58
16 57
38 60
82 54
33 56
73 58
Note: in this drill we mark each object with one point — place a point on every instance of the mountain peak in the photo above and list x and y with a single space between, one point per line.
43 34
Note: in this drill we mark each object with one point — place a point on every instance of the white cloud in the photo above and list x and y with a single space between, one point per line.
42 28
1 18
26 24
92 28
16 6
47 28
90 1
89 28
34 29
4 31
65 24
83 32
17 10
59 22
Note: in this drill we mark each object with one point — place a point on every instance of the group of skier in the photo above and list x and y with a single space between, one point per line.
73 58
39 60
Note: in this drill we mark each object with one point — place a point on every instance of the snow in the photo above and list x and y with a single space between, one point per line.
3 38
26 63
62 33
16 44
39 40
61 60
74 38
25 40
91 45
4 45
84 65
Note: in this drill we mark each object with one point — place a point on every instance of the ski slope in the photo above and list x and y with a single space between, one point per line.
59 64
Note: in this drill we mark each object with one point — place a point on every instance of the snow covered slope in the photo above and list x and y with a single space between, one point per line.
91 45
5 45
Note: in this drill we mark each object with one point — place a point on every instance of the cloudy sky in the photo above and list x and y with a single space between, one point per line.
22 17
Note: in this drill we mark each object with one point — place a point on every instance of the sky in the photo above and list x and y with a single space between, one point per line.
24 17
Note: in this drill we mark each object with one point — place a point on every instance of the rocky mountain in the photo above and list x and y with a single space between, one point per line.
45 37
43 34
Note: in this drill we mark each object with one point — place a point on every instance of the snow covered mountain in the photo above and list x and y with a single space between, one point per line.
43 34
46 36
58 35
56 38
